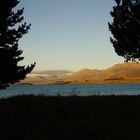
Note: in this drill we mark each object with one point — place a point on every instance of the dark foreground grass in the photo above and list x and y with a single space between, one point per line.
70 118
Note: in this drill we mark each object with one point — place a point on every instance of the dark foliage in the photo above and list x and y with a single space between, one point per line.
126 29
10 33
70 118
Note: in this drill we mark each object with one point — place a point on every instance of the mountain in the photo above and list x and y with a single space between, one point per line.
119 73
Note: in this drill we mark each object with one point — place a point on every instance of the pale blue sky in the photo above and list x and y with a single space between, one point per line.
68 34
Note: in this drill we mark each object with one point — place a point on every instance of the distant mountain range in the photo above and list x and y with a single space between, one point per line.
119 73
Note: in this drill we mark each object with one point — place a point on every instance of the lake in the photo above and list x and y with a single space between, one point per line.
73 89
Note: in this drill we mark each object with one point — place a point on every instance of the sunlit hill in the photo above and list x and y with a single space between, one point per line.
119 73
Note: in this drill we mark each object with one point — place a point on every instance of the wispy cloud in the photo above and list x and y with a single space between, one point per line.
51 72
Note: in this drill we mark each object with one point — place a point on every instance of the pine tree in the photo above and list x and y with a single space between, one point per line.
126 29
10 54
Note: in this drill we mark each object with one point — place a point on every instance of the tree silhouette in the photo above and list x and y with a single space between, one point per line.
126 29
10 33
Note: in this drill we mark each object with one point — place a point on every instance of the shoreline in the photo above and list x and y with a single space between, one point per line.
70 118
69 83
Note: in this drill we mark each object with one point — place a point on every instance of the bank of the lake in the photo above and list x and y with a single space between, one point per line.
70 118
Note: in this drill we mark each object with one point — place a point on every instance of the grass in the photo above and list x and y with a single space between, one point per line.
70 118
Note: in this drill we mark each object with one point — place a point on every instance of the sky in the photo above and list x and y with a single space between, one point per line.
68 34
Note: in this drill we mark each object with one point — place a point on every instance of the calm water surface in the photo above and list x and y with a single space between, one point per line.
73 89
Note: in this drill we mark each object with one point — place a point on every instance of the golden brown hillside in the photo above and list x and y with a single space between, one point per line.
125 72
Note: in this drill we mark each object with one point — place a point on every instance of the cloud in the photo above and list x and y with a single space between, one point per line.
51 72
